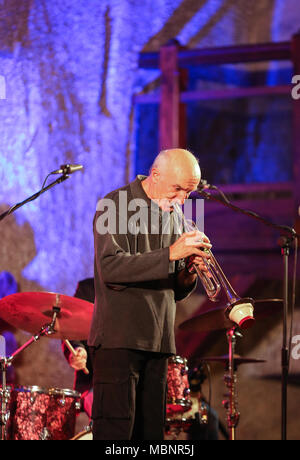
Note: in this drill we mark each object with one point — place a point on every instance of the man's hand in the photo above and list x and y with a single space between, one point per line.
199 262
189 244
78 361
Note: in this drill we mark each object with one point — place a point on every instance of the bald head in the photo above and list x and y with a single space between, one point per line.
175 173
177 160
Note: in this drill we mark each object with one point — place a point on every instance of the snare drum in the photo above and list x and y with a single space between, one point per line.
39 414
178 393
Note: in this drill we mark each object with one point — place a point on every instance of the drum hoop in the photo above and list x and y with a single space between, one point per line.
180 402
177 360
41 390
30 389
64 392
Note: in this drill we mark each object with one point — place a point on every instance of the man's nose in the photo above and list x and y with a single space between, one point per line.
182 196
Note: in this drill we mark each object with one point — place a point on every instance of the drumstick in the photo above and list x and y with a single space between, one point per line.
85 370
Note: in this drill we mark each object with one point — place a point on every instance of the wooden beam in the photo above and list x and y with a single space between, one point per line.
223 55
218 94
235 93
171 112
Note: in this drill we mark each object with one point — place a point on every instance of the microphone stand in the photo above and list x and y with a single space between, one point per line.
33 197
286 240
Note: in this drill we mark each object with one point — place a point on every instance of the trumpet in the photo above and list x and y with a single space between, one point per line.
239 310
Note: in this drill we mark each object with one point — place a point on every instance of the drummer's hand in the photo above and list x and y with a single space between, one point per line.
78 362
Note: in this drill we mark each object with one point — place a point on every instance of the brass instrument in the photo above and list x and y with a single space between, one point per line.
239 310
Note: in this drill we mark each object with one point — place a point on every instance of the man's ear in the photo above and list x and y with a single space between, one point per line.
155 174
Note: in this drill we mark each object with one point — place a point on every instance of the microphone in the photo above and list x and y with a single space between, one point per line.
204 185
67 169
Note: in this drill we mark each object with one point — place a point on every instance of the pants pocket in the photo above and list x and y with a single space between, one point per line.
113 400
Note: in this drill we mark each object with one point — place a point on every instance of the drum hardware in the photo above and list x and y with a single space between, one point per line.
287 240
70 318
72 321
64 394
179 422
178 391
46 330
40 414
196 377
237 360
5 395
231 363
44 435
216 319
230 379
184 407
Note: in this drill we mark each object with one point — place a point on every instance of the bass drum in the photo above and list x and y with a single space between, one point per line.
85 435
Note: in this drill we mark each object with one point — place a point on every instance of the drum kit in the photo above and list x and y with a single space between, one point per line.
181 412
35 413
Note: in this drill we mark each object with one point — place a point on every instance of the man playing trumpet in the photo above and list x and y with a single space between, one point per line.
139 276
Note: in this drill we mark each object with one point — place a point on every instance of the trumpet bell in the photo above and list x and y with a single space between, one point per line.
241 312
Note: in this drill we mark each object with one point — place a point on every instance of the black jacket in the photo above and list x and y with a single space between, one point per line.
135 283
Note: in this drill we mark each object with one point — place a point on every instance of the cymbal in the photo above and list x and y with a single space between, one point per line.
237 359
215 319
30 311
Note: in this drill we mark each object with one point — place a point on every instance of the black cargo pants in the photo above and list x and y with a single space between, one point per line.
129 394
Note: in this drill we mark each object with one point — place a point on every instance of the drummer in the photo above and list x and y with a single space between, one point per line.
83 383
